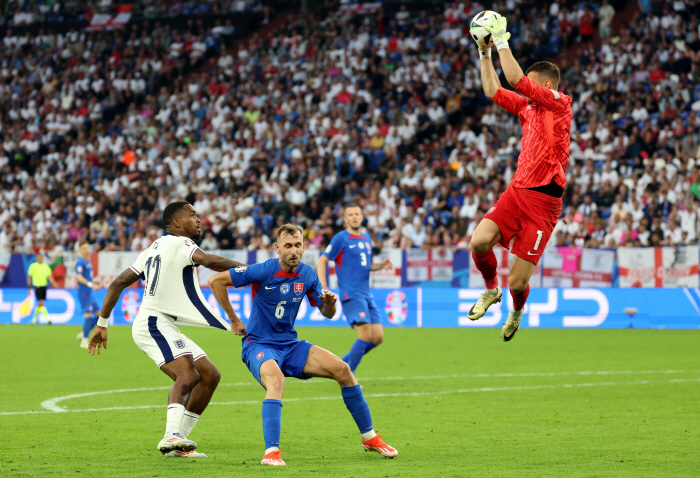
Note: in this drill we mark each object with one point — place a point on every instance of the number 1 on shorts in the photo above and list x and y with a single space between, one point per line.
539 238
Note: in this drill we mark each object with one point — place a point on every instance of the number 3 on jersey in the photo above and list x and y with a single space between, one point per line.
363 259
152 282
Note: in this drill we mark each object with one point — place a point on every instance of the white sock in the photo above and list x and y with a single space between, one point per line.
189 420
175 413
271 449
369 435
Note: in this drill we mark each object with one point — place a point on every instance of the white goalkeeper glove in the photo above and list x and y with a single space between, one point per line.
497 28
484 49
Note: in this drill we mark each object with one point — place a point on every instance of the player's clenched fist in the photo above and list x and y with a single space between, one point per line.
329 297
237 327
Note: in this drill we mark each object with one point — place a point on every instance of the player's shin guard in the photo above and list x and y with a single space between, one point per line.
357 405
488 266
354 356
272 422
519 299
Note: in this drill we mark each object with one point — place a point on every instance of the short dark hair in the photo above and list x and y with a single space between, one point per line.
171 211
289 230
352 204
548 70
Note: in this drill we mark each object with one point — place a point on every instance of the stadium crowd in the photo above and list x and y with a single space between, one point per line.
101 130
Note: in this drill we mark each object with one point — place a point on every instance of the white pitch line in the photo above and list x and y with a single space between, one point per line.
52 403
384 395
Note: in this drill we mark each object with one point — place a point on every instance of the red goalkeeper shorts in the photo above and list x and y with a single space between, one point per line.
526 219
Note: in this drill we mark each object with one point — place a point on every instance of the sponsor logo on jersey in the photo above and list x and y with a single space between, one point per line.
179 343
241 268
491 210
284 289
260 355
298 288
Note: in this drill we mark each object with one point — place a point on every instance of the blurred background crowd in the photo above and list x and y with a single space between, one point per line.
377 104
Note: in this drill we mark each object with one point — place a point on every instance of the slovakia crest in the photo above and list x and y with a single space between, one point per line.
284 289
260 355
369 246
491 210
179 343
298 288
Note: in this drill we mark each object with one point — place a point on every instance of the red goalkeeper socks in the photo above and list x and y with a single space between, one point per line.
487 265
519 299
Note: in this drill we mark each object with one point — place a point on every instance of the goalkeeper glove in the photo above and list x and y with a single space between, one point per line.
484 49
497 29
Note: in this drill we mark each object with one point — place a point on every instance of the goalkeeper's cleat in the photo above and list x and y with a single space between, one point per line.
486 300
84 343
378 445
185 454
273 458
175 442
512 325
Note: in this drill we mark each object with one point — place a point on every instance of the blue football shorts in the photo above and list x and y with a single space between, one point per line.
362 311
88 304
290 356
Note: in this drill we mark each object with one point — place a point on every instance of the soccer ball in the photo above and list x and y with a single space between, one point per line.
477 30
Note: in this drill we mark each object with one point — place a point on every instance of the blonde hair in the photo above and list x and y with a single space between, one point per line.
289 230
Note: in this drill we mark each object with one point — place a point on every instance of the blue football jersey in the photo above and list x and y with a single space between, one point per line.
277 296
84 268
353 263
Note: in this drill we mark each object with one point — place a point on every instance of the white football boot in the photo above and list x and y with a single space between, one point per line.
486 300
512 325
175 442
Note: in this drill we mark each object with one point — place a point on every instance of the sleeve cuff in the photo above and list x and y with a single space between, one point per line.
192 253
135 270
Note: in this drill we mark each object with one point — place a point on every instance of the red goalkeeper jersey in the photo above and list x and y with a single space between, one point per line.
546 123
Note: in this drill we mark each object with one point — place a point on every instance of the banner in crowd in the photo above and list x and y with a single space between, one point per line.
428 265
420 307
575 267
659 266
505 259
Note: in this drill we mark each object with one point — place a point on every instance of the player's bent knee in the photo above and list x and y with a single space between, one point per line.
516 284
377 339
342 373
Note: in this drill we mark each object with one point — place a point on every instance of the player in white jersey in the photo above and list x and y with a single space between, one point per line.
172 295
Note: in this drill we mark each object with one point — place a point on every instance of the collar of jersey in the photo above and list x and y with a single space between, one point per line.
166 233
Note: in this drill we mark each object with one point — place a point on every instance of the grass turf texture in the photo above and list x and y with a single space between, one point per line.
619 429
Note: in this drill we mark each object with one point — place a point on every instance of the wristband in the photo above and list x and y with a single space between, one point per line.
89 284
102 322
485 53
501 45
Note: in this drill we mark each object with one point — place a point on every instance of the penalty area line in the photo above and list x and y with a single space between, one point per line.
385 395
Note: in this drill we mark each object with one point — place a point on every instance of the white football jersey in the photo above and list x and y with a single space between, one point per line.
171 285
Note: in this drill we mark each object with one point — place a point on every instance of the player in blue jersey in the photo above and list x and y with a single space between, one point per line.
88 305
271 349
352 252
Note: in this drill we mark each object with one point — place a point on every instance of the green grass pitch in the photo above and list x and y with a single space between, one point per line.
455 403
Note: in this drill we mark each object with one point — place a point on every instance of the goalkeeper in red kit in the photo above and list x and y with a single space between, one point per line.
523 218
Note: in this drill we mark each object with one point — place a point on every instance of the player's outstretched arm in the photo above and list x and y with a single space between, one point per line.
377 266
511 68
218 284
327 308
321 271
214 262
99 336
489 78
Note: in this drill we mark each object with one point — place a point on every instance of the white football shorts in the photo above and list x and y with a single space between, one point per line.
158 337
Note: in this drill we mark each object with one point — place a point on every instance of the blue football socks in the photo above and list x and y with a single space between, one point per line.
88 325
272 422
354 356
370 346
357 405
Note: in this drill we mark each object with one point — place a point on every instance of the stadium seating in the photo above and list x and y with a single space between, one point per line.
101 130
